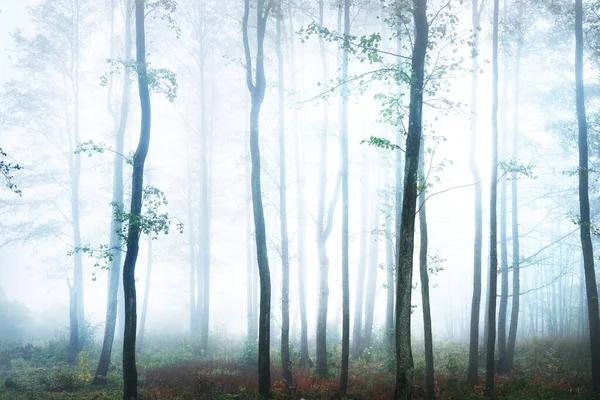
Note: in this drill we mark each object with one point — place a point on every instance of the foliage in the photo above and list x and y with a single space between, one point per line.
7 169
517 167
160 80
153 221
249 353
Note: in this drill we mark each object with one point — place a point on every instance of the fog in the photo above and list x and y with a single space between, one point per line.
63 71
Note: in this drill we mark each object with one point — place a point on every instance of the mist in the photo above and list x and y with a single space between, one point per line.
299 199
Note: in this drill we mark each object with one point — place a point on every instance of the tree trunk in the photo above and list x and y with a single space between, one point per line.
203 256
192 250
371 289
256 86
516 284
301 208
359 291
493 274
472 374
389 261
345 200
116 244
140 338
428 336
73 348
503 191
404 271
584 204
130 378
324 223
398 208
285 258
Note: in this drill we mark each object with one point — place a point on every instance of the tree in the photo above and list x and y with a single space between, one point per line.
472 374
404 268
285 257
7 169
345 199
503 308
373 266
256 86
584 204
142 331
424 274
363 259
324 223
493 271
300 204
53 55
130 378
120 123
516 283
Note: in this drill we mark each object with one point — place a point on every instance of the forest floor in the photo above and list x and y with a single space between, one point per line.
543 370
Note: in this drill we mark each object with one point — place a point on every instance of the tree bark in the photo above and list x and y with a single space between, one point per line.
359 291
256 86
584 204
516 283
404 271
114 279
371 287
73 348
130 378
493 274
472 373
345 201
398 210
324 222
423 269
140 338
502 311
301 208
285 258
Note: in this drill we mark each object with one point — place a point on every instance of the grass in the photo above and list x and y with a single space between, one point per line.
169 370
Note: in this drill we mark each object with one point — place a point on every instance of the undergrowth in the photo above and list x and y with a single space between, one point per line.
177 369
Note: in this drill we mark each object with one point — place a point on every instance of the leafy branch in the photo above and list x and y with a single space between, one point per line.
160 80
153 221
90 147
7 169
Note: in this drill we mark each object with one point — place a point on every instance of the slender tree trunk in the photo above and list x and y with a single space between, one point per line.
74 163
493 274
503 200
404 271
192 250
142 331
371 288
324 223
76 173
389 261
114 279
423 268
203 259
250 267
73 348
130 378
359 291
256 86
345 202
584 204
301 208
251 285
472 374
516 283
285 258
398 210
